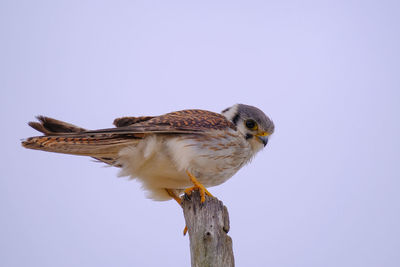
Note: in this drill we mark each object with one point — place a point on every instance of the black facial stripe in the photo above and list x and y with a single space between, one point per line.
235 119
249 136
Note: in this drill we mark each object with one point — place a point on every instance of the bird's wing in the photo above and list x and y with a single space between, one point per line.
126 121
66 138
184 121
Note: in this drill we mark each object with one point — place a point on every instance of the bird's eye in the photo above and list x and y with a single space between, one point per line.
251 124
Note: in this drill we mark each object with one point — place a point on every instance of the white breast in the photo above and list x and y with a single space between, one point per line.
161 161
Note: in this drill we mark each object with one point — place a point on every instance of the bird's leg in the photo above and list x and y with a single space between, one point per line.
197 186
172 194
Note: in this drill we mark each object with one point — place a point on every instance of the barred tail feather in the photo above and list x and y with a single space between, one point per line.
77 145
62 137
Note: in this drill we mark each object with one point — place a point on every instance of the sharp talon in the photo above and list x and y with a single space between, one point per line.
188 191
186 196
185 230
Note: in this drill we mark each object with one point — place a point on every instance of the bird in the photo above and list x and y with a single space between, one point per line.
170 154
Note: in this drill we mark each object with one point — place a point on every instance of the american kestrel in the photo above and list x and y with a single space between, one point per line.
188 149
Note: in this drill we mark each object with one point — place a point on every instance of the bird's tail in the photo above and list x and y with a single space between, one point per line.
62 137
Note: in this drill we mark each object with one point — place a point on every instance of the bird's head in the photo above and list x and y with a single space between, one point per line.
252 123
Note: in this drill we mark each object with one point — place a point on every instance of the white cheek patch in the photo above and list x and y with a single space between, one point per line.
241 128
229 114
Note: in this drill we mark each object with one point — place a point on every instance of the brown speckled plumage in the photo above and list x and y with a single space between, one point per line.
192 120
159 150
59 134
126 121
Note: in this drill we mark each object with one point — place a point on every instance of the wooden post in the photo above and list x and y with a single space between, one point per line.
208 225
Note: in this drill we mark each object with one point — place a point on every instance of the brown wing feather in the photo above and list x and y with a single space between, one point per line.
125 121
63 137
179 122
192 120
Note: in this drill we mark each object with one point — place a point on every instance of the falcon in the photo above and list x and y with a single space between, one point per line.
169 154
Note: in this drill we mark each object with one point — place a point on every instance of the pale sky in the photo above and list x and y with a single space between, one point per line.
324 192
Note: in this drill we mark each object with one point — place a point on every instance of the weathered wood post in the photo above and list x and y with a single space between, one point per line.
208 225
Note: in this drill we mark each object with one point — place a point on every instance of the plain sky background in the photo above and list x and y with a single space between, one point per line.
325 191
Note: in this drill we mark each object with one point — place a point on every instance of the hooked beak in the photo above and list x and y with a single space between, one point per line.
263 138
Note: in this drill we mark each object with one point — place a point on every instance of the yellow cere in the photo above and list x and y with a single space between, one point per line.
263 134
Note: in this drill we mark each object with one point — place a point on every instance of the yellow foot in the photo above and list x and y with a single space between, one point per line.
172 194
197 186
